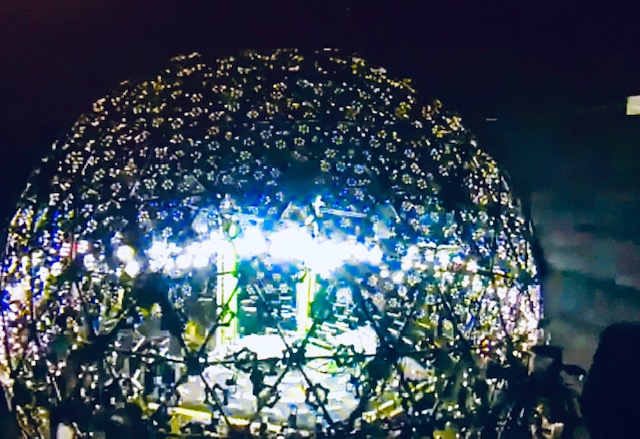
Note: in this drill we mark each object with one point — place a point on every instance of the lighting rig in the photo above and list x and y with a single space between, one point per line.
273 244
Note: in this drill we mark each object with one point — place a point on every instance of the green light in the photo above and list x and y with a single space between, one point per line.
226 296
305 290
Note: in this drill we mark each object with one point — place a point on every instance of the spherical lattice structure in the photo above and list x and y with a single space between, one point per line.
271 244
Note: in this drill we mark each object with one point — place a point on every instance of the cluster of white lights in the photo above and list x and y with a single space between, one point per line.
288 244
319 255
127 254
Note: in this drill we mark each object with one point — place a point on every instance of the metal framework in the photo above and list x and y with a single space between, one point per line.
277 244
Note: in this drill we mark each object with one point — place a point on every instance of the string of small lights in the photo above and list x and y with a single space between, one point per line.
275 244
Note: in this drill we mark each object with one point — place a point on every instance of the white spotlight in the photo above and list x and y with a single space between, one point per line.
291 243
251 243
132 268
183 261
125 253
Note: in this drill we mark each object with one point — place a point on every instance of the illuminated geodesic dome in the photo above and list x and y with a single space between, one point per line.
274 243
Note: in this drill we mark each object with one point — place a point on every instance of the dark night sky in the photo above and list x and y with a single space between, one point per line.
556 80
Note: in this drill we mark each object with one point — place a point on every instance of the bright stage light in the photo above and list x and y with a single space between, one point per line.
125 253
184 261
251 243
132 268
291 243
